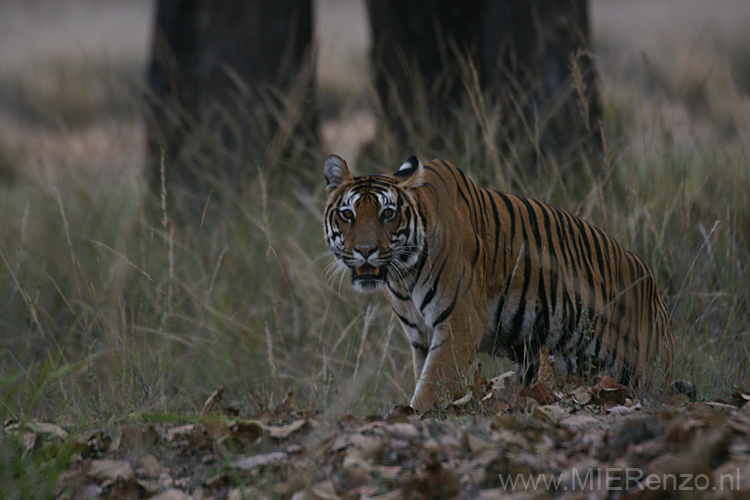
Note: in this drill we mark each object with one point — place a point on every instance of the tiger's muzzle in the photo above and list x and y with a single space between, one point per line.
368 276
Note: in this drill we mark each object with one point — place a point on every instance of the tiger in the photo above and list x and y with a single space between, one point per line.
468 270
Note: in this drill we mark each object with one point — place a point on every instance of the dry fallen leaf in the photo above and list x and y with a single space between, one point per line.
567 383
171 494
580 422
507 381
552 413
434 481
491 494
503 394
403 430
539 392
150 486
274 431
365 447
620 410
190 436
352 477
270 459
151 467
217 428
581 395
325 490
712 444
478 384
463 401
688 469
546 374
111 470
133 438
400 413
609 390
11 424
90 491
213 401
219 480
244 493
474 444
49 429
284 431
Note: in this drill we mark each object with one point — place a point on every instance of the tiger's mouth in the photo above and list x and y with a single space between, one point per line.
368 275
367 270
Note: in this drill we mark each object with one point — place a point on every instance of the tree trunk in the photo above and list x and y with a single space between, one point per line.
523 51
416 52
533 49
217 73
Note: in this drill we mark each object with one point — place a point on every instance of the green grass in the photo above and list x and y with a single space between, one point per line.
105 312
32 473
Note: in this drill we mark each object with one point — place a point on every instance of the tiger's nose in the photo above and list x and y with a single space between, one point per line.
365 250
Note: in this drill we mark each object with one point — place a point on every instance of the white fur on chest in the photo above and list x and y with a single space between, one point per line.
417 322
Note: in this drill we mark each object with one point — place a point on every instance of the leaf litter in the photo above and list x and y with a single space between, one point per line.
557 438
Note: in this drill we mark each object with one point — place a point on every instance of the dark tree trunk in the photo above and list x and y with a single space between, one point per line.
231 80
217 71
416 54
522 49
533 49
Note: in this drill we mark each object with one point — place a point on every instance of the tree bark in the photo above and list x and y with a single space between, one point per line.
217 75
523 51
416 54
231 81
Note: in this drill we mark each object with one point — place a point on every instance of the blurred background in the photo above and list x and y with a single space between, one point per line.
75 68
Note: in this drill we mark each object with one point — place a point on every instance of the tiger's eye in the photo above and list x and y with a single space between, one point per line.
388 214
346 215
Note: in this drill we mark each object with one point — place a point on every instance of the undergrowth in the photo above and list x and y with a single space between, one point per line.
106 311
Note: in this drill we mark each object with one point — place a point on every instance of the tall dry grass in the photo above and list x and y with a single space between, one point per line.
106 312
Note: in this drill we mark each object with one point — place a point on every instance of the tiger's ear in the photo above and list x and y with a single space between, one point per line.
410 173
336 172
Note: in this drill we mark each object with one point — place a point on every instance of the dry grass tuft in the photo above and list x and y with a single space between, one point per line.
105 313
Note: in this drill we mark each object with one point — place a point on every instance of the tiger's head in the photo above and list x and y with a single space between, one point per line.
372 224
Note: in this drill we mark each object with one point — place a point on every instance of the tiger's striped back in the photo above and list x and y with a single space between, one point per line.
578 291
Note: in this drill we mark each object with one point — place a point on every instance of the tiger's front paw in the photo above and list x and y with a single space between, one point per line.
422 401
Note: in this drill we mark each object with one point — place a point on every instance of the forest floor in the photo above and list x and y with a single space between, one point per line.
590 441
